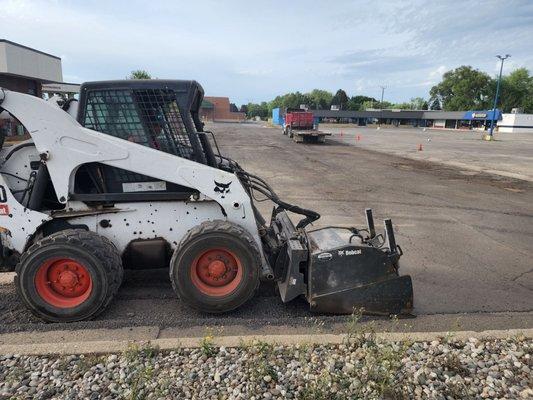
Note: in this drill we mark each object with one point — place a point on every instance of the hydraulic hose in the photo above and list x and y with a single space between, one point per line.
254 182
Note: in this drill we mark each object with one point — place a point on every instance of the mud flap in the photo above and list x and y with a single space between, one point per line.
392 296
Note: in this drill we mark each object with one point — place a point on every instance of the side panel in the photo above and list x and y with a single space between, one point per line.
167 220
17 223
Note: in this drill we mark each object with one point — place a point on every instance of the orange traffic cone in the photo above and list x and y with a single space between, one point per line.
358 137
420 147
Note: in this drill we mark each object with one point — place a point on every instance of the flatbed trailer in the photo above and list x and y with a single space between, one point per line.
307 135
300 126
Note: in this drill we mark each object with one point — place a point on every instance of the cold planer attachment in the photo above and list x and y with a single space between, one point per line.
342 270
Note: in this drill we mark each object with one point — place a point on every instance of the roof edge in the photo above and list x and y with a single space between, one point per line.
29 48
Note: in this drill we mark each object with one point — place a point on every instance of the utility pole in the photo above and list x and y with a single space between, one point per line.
381 104
502 59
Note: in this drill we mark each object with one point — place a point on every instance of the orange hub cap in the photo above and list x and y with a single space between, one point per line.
216 272
63 283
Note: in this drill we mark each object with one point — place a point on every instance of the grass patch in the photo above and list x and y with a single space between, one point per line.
452 363
14 374
139 381
319 389
207 344
379 362
261 363
86 362
135 352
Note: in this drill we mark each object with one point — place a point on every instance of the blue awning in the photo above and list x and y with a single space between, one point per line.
483 115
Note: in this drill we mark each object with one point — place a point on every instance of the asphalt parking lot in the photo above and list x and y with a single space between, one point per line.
511 154
467 238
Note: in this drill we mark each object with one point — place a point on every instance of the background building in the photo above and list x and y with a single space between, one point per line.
516 123
418 118
24 69
30 71
218 109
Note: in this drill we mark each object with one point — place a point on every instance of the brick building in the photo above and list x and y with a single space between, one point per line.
218 109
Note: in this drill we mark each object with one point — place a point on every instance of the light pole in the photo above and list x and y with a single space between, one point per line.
381 104
502 59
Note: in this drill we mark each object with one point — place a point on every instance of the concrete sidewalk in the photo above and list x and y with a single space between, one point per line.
511 155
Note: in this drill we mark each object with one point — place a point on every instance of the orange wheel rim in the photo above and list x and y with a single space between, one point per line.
63 283
216 272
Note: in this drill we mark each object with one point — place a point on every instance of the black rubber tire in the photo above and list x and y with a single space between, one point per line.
96 253
206 236
289 132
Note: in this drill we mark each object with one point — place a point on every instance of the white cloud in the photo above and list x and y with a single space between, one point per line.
437 73
260 49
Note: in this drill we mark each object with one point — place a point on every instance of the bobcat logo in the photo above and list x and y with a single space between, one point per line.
222 188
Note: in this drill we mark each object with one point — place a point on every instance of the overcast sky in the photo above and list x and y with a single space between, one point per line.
255 50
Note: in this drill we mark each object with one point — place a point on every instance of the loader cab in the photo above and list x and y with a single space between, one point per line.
160 114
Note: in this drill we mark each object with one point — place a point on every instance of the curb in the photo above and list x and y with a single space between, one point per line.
6 278
117 346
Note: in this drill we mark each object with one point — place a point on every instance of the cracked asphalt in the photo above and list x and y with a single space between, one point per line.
467 239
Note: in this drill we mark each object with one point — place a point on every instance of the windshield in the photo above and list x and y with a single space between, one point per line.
150 117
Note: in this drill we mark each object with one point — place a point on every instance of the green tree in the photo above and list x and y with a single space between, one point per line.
463 88
402 106
435 105
319 99
244 109
418 103
370 104
289 100
377 105
516 91
357 103
139 74
340 99
233 107
258 110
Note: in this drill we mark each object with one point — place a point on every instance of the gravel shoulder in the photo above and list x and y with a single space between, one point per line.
362 366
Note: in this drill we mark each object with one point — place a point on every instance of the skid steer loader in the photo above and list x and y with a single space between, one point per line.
134 182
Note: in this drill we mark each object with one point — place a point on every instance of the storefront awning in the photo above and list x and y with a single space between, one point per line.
483 115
